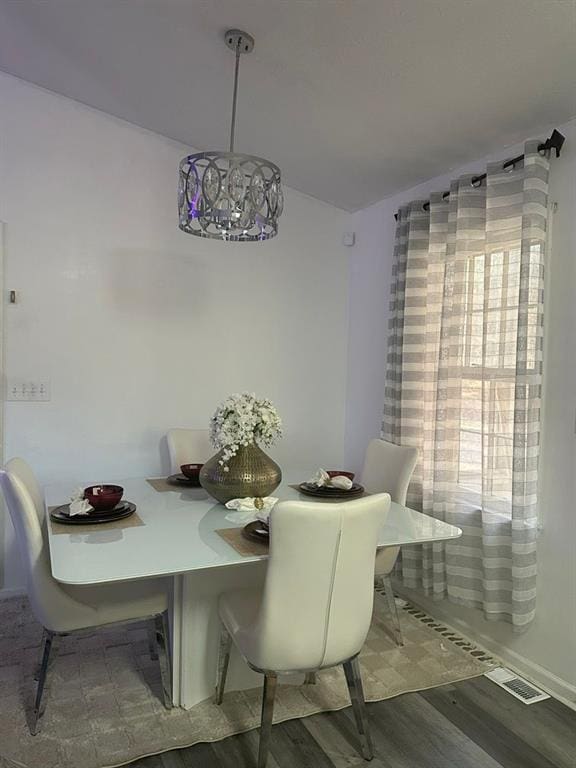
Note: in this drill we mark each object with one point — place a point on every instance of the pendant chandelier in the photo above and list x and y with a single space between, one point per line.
226 195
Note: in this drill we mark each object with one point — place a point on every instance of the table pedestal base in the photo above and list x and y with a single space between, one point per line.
195 633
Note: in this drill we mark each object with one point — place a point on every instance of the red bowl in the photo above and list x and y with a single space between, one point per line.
336 472
103 497
191 470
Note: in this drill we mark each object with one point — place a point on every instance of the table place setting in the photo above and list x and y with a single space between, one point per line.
254 512
94 505
189 476
332 484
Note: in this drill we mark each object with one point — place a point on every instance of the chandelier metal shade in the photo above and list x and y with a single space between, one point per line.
226 195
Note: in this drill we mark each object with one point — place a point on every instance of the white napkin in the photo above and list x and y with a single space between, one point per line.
322 478
246 512
341 481
78 504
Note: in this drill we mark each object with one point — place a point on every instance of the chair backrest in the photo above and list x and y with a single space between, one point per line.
26 508
317 602
188 446
23 471
388 468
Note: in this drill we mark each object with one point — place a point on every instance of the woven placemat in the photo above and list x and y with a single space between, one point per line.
242 545
162 485
134 521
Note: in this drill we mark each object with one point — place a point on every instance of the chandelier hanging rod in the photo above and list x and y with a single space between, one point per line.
234 98
240 42
555 141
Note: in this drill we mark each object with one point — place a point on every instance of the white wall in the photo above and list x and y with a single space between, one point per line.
140 327
548 650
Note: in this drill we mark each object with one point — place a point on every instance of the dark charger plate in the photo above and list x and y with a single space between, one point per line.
331 493
120 511
180 479
256 531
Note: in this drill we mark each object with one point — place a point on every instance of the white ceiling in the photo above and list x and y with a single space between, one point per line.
353 99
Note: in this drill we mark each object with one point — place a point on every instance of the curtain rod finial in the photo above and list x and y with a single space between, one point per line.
555 142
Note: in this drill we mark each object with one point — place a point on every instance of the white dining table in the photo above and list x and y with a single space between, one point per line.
176 537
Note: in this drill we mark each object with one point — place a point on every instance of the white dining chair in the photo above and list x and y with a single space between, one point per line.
188 446
63 609
315 607
388 468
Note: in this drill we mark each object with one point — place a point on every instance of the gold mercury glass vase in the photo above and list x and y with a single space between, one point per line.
250 473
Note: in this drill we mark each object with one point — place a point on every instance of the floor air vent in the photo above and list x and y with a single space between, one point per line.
516 685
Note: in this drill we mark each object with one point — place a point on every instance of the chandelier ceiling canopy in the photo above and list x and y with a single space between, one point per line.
226 195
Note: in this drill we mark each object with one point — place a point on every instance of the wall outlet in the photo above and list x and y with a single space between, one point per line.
25 390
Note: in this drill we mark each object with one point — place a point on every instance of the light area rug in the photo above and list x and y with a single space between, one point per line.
103 701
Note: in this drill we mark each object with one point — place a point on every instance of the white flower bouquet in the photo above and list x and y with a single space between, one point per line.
243 419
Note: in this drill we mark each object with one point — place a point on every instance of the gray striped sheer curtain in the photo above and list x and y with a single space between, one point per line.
464 382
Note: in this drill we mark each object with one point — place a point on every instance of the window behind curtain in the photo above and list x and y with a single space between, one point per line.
489 370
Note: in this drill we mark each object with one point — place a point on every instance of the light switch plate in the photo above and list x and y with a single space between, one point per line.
26 390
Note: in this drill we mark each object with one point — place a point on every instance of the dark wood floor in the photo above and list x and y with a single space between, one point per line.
473 724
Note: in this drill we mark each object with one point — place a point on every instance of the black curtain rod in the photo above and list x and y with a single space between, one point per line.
555 142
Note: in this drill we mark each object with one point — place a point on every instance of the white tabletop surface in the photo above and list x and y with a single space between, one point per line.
178 535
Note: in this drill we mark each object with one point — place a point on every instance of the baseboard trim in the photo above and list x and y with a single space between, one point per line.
557 687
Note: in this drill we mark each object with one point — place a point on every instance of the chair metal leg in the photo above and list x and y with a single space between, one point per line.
152 642
354 682
37 713
268 696
223 660
38 667
393 610
162 639
310 678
